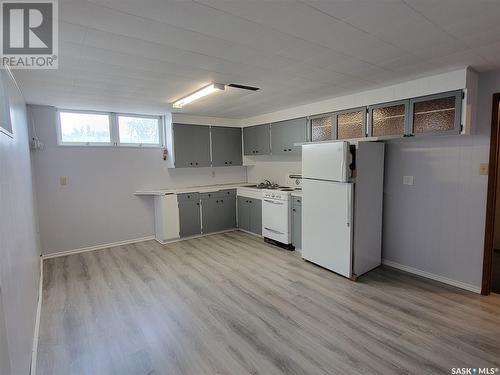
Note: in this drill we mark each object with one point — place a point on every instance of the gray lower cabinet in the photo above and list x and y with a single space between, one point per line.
285 134
250 214
226 146
191 145
257 140
297 222
218 210
189 214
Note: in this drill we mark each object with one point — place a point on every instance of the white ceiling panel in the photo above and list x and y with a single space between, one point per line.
140 55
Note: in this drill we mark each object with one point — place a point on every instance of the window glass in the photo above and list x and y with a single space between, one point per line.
139 130
78 127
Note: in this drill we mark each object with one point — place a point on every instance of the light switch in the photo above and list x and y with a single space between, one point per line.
63 180
483 169
407 180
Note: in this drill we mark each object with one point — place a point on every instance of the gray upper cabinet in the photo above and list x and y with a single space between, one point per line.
285 134
191 145
226 146
257 139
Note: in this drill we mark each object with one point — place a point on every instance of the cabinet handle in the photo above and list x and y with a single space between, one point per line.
196 163
190 163
294 210
284 149
198 203
230 162
289 149
222 200
225 162
189 196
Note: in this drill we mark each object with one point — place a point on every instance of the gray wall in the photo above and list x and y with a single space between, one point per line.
19 253
98 205
437 225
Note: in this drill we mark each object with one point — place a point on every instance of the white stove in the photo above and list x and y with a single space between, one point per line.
276 215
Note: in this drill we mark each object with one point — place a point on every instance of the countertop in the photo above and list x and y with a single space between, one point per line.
189 189
242 187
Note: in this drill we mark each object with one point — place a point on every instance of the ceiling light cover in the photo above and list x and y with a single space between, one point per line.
204 91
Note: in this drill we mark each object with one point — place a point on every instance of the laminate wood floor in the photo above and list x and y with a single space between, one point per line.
231 304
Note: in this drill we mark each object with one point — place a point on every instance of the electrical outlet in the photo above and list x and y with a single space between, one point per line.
407 180
63 180
483 169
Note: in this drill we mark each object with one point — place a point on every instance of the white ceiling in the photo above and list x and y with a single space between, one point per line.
140 55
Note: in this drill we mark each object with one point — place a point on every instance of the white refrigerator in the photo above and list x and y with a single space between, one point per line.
333 223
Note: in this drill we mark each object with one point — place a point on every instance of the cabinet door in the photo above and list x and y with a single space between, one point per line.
210 215
322 127
243 213
388 119
285 134
228 212
297 223
191 145
436 114
350 123
226 146
256 216
189 218
256 140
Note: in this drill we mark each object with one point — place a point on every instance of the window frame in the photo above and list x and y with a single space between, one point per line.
60 141
114 130
161 139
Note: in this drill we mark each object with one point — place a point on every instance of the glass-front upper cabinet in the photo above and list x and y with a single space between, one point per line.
321 127
388 119
350 123
435 114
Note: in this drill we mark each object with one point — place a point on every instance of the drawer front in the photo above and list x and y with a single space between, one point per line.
210 194
226 193
188 197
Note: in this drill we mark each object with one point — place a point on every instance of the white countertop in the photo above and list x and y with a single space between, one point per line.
189 189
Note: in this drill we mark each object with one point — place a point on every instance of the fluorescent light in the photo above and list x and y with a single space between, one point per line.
198 94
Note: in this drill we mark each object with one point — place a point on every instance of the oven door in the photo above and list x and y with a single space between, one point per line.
275 220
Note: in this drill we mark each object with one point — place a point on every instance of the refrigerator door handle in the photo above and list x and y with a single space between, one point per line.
349 209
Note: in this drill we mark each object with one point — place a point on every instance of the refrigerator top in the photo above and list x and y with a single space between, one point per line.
326 161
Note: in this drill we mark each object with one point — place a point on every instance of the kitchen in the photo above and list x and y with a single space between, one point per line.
261 187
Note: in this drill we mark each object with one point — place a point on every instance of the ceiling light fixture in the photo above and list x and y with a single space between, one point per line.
204 91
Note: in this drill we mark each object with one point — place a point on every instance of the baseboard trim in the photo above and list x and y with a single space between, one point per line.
428 275
97 247
36 333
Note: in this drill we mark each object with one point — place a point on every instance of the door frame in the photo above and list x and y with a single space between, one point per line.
491 197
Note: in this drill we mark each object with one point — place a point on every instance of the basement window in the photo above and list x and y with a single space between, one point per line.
90 128
134 130
84 128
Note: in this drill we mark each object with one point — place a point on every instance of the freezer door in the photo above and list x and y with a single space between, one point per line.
327 225
326 161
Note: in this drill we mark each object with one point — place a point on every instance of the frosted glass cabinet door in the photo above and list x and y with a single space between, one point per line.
351 123
322 128
435 114
388 119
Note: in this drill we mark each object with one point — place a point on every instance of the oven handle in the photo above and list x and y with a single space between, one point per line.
274 202
272 230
